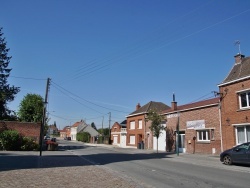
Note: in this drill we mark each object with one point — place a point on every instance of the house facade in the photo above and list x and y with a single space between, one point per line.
119 134
138 128
194 127
235 103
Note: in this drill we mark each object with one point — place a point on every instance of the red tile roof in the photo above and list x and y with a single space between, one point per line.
198 104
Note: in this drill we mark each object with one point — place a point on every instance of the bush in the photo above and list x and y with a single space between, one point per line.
10 140
28 144
83 137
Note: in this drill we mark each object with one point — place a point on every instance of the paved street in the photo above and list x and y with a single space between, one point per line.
79 165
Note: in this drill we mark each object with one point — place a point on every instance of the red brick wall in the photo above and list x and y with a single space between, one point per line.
139 133
230 110
24 128
212 120
115 130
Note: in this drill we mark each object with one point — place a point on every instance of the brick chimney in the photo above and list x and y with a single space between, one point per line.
173 104
138 106
238 58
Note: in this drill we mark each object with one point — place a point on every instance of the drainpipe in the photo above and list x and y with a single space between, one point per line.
221 142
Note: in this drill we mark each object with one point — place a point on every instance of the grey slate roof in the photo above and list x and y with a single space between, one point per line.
158 106
84 127
239 71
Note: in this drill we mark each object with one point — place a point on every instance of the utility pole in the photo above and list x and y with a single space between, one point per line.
102 129
44 115
109 126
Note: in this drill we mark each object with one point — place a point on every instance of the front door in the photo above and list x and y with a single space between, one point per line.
123 140
181 142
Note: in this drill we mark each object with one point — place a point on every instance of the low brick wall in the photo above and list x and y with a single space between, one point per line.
24 128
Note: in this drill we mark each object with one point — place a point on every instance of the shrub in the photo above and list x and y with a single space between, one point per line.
10 140
28 144
84 137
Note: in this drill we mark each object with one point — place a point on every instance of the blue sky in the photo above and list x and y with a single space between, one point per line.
108 55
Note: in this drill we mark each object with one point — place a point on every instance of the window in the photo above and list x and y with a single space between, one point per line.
244 99
132 125
132 139
203 135
140 124
243 134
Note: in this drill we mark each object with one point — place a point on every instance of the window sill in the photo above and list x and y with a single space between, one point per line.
203 142
243 109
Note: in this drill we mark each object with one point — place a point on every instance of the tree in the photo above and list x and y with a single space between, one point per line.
93 126
7 92
156 124
31 108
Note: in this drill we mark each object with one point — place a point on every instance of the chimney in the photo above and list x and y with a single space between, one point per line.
174 104
238 58
138 106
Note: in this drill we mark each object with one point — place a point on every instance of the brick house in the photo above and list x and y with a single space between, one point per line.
235 103
199 127
27 129
138 128
119 134
65 132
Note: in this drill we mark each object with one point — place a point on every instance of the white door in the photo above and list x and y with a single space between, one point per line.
123 140
161 142
115 139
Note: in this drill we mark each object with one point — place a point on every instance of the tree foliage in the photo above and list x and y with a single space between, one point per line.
7 92
31 108
93 126
83 137
156 123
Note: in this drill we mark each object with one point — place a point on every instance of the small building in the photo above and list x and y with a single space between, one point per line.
235 103
119 134
81 126
194 127
138 128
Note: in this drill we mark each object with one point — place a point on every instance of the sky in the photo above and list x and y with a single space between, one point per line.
105 56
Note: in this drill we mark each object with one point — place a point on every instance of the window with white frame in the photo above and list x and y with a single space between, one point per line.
132 139
242 134
244 99
203 135
132 125
140 124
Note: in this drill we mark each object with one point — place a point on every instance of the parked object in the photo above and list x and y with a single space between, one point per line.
237 154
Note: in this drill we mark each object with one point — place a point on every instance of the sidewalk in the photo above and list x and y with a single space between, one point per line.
56 169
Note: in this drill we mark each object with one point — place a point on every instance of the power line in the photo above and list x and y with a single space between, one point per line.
61 88
28 78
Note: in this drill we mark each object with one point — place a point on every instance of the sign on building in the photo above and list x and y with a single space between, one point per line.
197 124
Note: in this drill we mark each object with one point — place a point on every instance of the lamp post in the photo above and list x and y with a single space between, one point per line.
177 134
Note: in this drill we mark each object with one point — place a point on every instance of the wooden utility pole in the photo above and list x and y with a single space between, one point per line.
44 116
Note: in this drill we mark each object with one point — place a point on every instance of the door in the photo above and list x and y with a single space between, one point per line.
123 140
161 141
115 139
181 142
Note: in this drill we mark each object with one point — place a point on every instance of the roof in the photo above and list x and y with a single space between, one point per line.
76 124
158 106
84 127
239 71
199 104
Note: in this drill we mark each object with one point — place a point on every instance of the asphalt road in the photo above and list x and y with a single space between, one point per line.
162 169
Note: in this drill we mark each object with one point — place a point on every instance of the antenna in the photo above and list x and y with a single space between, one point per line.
237 42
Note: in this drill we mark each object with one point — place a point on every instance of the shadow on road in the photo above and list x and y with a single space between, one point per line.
62 158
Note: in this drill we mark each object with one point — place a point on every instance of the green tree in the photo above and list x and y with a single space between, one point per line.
7 92
156 124
93 126
31 108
